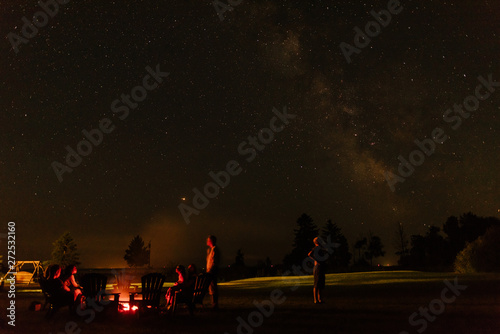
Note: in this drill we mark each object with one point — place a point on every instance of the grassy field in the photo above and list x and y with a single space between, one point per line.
374 302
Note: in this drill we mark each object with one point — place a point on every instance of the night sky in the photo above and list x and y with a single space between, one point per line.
225 78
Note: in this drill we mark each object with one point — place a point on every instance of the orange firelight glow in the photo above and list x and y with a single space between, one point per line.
126 307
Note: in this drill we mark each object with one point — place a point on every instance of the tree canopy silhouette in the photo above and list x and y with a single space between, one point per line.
481 255
239 259
360 246
303 241
340 258
374 249
64 252
439 252
401 244
137 255
467 228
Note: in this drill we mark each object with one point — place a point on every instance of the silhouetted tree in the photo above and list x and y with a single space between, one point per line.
374 248
481 255
434 247
401 243
137 254
417 251
340 258
360 245
264 268
473 226
467 228
429 250
64 252
268 262
455 240
239 260
303 241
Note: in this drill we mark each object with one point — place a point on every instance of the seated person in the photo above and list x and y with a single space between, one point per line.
60 293
191 278
69 280
181 272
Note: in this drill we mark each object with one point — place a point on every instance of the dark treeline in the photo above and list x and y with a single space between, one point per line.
465 244
366 248
438 248
468 243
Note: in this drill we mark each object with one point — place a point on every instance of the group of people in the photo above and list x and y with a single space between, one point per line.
62 285
318 254
186 281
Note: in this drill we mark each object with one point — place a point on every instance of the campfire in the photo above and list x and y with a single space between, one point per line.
124 287
125 307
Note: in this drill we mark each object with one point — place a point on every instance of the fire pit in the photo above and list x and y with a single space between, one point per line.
124 307
128 305
124 287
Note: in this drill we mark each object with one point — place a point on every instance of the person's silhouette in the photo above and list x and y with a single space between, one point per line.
213 260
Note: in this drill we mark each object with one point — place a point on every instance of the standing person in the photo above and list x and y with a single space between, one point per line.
319 255
213 260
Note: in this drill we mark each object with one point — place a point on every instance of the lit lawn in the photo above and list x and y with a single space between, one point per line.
374 302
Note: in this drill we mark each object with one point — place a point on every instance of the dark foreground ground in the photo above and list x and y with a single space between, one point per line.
380 302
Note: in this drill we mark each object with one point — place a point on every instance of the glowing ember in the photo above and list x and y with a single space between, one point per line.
125 307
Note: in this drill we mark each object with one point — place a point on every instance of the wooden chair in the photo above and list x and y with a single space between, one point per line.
193 296
53 303
123 282
151 291
94 291
46 294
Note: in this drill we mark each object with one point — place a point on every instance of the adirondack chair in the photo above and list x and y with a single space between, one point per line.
94 291
53 303
151 291
46 294
123 282
194 296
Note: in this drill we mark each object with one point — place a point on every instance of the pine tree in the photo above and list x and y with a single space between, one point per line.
303 241
64 252
137 255
341 256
